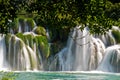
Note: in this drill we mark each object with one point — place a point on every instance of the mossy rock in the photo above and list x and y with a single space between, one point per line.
20 35
29 40
16 21
41 42
43 45
116 34
30 22
40 31
7 38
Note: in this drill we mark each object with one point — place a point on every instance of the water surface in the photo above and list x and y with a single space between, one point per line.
43 75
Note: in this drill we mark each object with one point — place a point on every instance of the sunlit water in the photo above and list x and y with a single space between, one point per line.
65 76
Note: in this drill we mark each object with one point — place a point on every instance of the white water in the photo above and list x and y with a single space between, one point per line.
82 53
3 65
24 26
85 53
18 57
111 61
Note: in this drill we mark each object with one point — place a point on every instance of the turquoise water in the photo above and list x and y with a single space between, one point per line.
65 76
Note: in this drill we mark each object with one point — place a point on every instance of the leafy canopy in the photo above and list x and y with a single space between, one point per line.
58 13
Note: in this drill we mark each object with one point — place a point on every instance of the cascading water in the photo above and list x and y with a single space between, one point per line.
17 56
111 61
23 26
82 53
85 52
28 49
23 51
3 63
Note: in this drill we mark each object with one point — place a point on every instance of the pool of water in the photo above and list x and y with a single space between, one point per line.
43 75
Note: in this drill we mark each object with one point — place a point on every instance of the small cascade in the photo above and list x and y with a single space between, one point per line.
22 25
3 63
111 61
16 55
97 49
19 27
26 25
82 53
112 37
25 50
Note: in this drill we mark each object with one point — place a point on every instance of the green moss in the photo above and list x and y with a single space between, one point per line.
16 22
29 40
30 22
40 31
7 40
21 44
20 35
116 34
43 44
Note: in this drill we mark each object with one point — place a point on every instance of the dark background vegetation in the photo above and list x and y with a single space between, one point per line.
61 15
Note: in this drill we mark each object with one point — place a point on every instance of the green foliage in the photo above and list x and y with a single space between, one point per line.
98 15
27 38
113 11
9 10
21 36
40 31
40 41
56 14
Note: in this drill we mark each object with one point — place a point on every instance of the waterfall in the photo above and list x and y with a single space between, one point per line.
86 52
83 52
110 37
111 61
16 55
23 50
27 48
3 63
